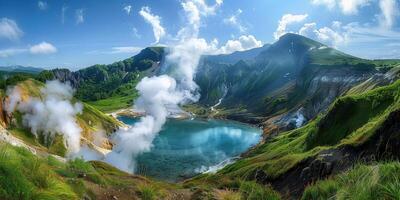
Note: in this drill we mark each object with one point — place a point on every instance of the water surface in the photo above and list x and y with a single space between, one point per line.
185 148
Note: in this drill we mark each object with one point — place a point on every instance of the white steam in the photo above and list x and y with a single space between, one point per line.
51 115
159 95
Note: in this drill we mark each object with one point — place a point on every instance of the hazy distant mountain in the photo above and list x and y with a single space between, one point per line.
22 69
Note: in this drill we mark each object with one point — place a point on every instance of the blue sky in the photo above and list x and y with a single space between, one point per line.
78 33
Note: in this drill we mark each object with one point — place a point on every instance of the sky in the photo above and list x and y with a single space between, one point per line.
79 33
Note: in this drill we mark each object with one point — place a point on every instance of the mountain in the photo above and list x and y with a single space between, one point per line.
21 69
289 82
236 56
361 128
110 87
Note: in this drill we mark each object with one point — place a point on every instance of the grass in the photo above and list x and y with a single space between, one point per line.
254 191
148 192
379 181
114 103
25 176
227 195
351 120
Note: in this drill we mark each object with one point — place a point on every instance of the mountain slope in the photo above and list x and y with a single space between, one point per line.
110 87
356 127
287 84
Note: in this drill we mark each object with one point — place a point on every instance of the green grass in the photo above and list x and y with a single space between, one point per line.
148 192
379 181
254 191
25 176
114 103
351 120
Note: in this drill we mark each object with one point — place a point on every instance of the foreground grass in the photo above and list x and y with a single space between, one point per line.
24 175
380 181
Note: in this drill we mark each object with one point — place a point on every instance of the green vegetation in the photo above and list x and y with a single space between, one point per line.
254 191
109 87
24 175
18 182
351 120
379 181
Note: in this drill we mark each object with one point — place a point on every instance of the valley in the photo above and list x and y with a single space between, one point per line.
326 117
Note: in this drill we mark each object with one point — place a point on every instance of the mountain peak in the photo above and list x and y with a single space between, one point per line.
292 38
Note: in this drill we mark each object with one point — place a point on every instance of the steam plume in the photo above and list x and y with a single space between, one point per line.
51 115
161 94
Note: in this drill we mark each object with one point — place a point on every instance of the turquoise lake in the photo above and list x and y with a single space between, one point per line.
185 148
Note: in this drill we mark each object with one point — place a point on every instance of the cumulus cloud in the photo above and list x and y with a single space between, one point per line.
233 20
332 36
128 9
10 30
42 5
194 10
154 21
347 7
43 48
390 10
245 42
53 114
287 20
79 16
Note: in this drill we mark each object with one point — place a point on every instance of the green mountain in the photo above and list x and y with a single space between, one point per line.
110 87
293 78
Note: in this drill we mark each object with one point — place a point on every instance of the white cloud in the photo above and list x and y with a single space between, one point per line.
245 42
328 3
130 50
43 48
234 21
136 33
10 52
128 9
10 30
79 16
287 20
390 10
42 5
348 7
194 11
154 21
63 11
332 36
351 6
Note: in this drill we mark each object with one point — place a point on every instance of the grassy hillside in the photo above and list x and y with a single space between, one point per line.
91 121
110 87
378 181
355 121
26 176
